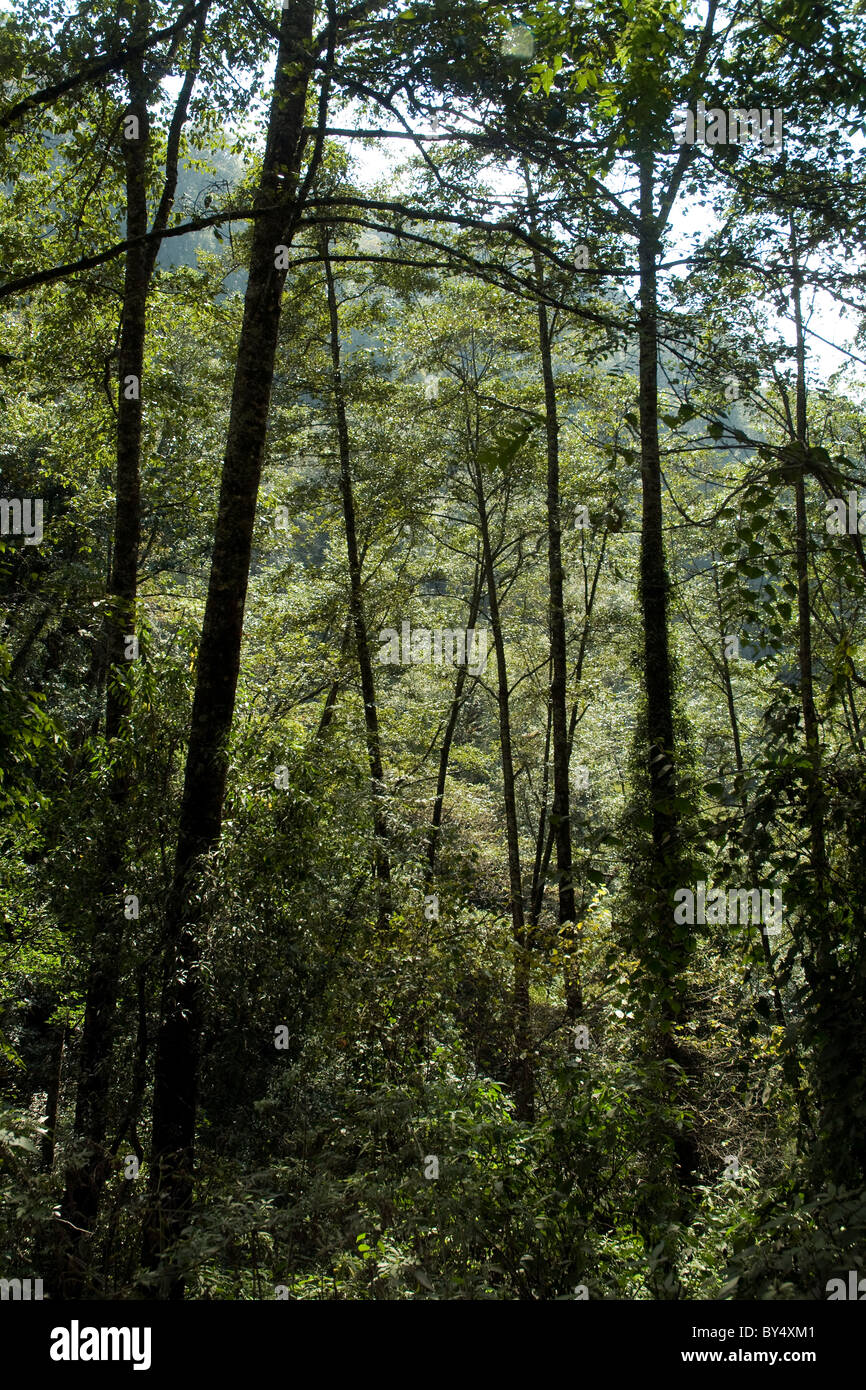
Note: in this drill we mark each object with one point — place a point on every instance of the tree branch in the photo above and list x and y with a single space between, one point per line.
100 68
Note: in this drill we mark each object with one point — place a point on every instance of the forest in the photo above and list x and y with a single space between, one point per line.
433 650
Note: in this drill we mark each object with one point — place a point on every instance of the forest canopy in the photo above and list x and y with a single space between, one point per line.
433 649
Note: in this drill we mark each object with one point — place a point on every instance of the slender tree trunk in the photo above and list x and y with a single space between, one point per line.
544 838
86 1178
669 948
732 709
523 1074
811 726
178 1043
138 1083
175 131
560 815
52 1106
356 601
328 709
821 969
570 969
21 655
725 667
448 739
654 584
330 705
850 706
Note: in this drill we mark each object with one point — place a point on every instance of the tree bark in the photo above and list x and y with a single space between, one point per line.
177 1050
669 948
811 727
725 668
560 815
382 863
523 1073
448 739
544 837
571 968
654 584
52 1104
86 1177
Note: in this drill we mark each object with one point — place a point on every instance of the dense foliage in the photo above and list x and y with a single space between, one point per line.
439 594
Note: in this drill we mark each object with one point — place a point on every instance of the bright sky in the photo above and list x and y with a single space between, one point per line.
827 319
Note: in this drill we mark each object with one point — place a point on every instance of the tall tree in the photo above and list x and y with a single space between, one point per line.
178 1040
560 815
87 1176
356 601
